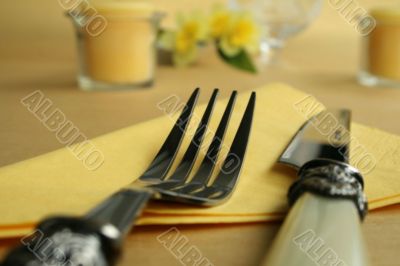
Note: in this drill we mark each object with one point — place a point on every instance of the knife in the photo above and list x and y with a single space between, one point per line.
327 200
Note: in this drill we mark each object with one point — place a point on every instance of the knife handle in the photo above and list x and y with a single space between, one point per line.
319 231
67 241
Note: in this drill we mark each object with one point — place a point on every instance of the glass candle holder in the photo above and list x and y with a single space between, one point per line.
381 50
116 45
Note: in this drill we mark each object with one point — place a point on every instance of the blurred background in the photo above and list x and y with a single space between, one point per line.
38 51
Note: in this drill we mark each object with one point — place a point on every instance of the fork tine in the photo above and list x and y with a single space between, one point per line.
232 165
162 162
185 166
227 178
206 168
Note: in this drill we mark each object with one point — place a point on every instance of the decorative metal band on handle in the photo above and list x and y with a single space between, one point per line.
331 179
94 240
67 241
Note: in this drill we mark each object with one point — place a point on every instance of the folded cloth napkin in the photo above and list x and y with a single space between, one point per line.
59 183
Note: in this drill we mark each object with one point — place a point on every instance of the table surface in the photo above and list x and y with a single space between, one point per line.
37 51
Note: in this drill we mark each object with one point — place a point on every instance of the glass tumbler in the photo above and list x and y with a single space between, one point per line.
381 50
116 46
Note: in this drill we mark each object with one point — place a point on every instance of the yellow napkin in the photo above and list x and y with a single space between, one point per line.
58 183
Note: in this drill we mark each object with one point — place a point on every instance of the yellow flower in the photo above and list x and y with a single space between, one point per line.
219 22
182 47
187 37
184 59
192 29
193 25
243 33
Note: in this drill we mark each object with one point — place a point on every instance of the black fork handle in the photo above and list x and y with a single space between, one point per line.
94 240
122 208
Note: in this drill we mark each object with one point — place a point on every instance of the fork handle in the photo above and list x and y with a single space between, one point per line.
319 231
66 241
94 240
122 208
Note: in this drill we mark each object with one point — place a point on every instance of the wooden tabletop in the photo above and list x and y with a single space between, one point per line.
37 51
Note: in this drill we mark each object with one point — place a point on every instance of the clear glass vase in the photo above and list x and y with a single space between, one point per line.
279 20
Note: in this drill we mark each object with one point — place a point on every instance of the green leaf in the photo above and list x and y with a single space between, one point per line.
241 61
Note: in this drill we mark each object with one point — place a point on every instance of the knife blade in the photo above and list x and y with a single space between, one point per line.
327 200
315 140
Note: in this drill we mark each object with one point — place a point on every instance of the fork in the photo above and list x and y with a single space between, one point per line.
96 239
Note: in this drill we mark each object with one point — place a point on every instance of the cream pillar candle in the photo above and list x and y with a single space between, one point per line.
123 54
382 49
